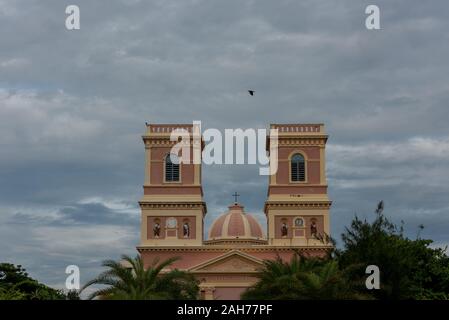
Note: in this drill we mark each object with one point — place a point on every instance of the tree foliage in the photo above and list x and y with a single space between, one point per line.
409 269
302 279
137 283
16 284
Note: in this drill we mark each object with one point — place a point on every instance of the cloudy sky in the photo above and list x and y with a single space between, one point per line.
73 106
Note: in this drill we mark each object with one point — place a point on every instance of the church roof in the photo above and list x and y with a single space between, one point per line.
235 224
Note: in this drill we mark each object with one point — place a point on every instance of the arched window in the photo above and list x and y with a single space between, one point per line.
298 168
171 167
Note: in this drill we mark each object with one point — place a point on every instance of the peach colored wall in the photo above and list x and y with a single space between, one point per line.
313 173
319 224
188 173
312 152
192 258
236 226
312 167
172 189
180 219
188 259
297 189
289 219
284 255
215 229
192 225
159 153
157 173
271 255
255 228
278 225
228 293
157 167
150 225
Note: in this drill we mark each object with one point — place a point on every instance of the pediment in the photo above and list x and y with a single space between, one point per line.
234 261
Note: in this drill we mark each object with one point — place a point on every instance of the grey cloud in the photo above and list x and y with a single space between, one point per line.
73 107
94 213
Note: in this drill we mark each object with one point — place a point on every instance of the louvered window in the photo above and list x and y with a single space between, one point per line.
298 168
171 168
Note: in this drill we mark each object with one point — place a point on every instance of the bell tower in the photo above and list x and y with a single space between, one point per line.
172 206
297 207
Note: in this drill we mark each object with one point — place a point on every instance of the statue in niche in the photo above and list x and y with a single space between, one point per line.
156 229
284 229
186 230
314 229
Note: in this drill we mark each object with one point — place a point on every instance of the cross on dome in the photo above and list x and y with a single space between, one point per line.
236 195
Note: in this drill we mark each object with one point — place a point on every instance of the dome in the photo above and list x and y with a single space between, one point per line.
235 224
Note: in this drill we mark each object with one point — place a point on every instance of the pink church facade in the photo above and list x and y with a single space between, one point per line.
227 262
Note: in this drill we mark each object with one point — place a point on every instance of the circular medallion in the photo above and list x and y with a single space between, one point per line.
299 222
171 223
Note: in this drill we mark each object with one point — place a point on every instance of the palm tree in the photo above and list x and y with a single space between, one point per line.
301 279
328 282
137 283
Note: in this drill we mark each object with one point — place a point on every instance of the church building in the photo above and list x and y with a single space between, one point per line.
227 261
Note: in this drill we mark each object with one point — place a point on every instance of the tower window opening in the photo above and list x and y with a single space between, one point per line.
298 168
171 168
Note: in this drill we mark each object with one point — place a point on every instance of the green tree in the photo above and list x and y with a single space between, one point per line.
409 269
137 283
301 279
16 284
11 294
73 295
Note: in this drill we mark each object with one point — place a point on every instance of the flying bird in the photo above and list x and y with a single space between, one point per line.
251 92
380 207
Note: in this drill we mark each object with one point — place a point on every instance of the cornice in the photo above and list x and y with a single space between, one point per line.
231 242
165 140
173 205
216 248
302 141
312 204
